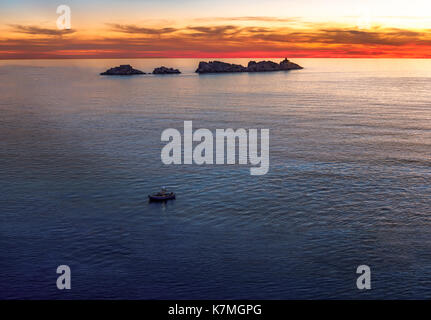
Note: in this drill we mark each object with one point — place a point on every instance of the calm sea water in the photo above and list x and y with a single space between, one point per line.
349 182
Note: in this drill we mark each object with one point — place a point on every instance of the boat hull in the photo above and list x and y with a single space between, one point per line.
161 198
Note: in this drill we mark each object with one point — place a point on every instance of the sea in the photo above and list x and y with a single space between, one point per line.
349 181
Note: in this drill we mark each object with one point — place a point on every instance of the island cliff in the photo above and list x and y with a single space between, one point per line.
122 70
164 70
253 66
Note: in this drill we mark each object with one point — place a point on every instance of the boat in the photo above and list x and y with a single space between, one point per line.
162 196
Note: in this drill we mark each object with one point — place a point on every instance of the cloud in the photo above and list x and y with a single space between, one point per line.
228 40
34 30
126 28
215 31
250 18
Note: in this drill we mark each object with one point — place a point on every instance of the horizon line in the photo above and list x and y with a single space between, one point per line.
212 57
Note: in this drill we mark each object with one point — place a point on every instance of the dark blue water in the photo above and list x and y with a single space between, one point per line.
349 182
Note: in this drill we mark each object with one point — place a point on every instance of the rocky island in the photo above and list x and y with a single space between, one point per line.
218 67
264 66
164 70
122 70
253 66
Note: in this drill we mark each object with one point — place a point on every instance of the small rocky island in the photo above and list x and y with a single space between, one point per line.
253 66
122 70
127 70
164 70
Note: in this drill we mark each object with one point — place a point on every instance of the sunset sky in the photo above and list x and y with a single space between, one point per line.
192 28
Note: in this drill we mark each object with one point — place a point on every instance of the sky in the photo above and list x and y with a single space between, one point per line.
217 29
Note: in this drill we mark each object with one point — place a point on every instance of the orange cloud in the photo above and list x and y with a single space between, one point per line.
140 30
226 40
34 30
